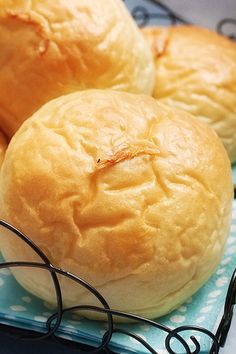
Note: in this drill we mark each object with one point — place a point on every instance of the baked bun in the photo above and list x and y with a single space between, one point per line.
3 147
131 195
51 48
196 71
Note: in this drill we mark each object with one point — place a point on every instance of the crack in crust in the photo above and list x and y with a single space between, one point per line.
158 43
127 153
31 20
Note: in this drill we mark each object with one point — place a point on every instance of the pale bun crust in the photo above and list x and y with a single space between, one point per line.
196 71
129 194
51 48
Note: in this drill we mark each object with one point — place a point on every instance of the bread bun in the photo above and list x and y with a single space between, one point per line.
50 48
3 147
196 71
129 194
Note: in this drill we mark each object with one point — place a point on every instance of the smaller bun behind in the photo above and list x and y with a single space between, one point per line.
196 71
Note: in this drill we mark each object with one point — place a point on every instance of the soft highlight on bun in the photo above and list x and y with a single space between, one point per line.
127 193
196 71
51 48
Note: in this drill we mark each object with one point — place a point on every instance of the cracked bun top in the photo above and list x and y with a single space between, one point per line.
129 194
196 71
51 48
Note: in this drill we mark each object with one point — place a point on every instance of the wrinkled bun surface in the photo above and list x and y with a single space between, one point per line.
123 191
50 48
196 71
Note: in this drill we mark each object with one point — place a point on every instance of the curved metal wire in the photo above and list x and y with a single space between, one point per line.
54 321
230 301
222 27
142 16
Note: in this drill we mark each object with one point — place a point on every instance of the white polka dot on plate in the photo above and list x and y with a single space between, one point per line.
220 271
1 282
177 319
17 308
26 299
214 293
200 319
211 301
206 309
40 318
226 261
221 281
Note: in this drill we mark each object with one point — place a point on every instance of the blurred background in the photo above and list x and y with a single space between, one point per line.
214 14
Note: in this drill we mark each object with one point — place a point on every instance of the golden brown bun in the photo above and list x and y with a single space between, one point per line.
196 71
50 48
133 196
3 147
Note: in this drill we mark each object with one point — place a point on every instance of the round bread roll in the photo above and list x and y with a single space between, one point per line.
51 48
196 71
127 193
3 147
